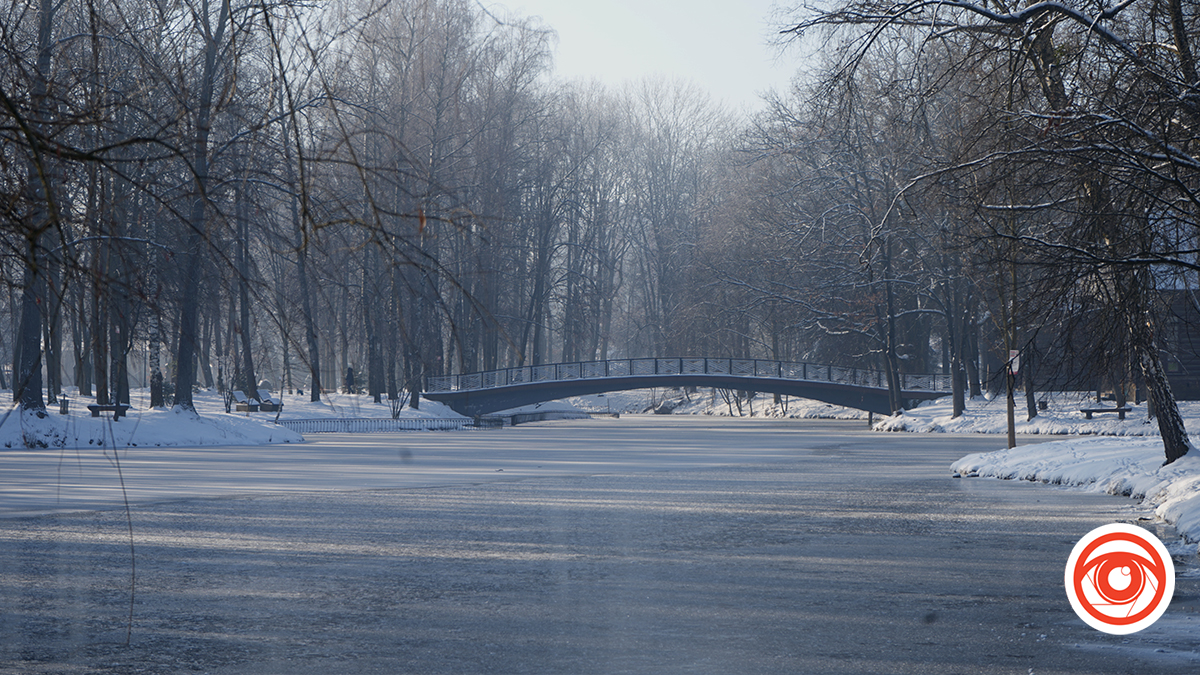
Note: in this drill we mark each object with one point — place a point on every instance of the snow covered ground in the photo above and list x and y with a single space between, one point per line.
144 426
707 401
987 416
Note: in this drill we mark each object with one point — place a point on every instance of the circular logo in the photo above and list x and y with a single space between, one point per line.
1119 579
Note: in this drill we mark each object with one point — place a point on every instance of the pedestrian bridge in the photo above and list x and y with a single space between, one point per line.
488 392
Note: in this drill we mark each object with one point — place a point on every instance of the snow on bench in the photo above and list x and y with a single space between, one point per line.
1087 412
117 409
244 404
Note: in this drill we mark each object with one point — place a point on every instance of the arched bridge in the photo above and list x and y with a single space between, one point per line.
494 390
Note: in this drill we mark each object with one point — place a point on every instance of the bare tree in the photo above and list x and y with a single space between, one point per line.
1092 128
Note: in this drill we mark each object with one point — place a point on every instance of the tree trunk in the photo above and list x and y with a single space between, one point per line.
310 325
1170 422
27 376
27 380
971 356
895 395
154 332
374 364
1031 410
958 374
393 337
119 344
206 348
100 323
958 382
196 239
243 262
52 323
1010 405
80 344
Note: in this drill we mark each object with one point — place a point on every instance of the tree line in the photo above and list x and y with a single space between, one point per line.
1029 166
205 193
217 191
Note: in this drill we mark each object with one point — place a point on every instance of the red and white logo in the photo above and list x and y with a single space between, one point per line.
1119 579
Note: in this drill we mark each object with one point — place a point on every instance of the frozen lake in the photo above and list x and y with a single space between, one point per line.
43 481
638 545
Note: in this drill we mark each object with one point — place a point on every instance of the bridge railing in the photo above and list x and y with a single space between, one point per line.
359 425
785 370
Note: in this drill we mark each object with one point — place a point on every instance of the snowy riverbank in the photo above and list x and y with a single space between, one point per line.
144 426
1119 466
1106 454
708 401
1062 416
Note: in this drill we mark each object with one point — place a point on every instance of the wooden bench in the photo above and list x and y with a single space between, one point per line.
117 409
244 404
268 404
1088 412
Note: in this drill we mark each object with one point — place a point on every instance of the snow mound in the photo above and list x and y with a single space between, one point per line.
210 425
153 427
338 405
1062 416
564 407
707 401
1133 468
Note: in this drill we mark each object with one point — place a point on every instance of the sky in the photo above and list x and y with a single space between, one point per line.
722 45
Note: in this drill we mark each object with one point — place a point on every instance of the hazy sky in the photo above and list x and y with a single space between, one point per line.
720 44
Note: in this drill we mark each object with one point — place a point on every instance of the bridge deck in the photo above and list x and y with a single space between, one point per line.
482 393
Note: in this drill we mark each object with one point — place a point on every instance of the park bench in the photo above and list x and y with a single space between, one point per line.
268 404
244 404
117 409
1088 412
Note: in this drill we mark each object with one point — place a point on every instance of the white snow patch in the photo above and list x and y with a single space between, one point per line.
985 415
707 401
146 427
545 407
1118 466
338 405
1118 462
143 426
